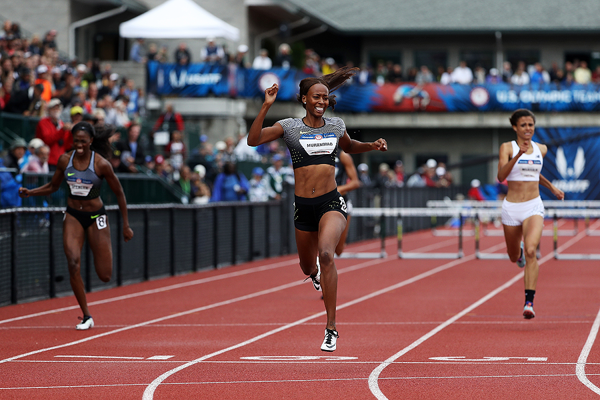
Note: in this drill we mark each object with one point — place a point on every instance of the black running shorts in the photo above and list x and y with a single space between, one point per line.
309 211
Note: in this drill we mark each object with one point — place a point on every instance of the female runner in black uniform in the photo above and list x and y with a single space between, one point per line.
84 168
313 143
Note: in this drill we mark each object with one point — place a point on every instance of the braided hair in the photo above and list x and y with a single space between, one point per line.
101 136
330 81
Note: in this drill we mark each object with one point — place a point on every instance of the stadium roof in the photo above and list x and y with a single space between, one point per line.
456 16
132 5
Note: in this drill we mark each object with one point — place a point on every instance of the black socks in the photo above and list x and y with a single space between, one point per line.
529 295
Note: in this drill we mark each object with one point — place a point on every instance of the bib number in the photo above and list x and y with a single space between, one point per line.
101 222
343 203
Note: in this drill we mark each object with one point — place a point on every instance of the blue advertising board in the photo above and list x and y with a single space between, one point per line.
572 163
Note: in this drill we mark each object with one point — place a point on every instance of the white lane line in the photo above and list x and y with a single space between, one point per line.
203 308
395 323
295 381
195 310
177 286
111 357
149 392
581 362
328 362
159 290
373 378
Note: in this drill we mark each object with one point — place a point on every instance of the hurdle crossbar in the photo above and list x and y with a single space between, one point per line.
583 204
573 214
399 213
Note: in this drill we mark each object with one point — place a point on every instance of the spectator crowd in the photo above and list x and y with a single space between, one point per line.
36 81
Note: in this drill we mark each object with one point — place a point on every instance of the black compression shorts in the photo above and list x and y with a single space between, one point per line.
309 211
86 219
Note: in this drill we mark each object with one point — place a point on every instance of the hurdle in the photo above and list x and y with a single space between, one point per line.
573 213
589 231
488 204
399 213
369 255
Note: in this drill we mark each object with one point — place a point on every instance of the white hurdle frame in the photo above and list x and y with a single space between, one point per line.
553 204
415 212
475 213
587 214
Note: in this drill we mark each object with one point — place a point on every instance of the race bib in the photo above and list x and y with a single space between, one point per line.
317 144
80 187
529 168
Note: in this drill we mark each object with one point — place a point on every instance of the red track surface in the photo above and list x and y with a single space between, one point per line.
409 329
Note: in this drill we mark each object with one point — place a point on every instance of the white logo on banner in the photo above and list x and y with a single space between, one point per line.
570 175
192 79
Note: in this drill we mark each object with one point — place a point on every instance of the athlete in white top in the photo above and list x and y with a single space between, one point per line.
520 163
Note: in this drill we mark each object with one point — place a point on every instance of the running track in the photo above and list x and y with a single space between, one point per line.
409 329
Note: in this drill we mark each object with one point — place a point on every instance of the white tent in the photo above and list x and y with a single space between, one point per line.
178 19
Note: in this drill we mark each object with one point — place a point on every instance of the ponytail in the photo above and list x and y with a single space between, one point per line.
331 81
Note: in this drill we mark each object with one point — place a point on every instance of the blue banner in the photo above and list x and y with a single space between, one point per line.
199 80
572 163
194 80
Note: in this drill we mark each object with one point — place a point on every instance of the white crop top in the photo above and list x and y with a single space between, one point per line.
528 166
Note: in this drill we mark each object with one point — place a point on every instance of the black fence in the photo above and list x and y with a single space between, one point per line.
172 239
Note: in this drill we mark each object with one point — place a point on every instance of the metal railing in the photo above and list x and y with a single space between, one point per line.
138 188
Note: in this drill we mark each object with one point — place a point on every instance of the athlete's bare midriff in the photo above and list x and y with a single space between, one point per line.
521 191
314 180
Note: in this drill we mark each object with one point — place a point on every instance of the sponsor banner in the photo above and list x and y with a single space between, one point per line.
571 163
198 80
194 80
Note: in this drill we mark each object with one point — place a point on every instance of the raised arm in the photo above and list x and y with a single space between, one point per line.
105 169
259 135
505 163
352 146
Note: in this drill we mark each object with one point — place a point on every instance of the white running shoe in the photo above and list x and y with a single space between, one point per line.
85 324
528 312
316 280
521 261
329 343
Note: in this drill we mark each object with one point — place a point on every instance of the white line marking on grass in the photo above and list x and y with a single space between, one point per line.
373 378
149 392
580 369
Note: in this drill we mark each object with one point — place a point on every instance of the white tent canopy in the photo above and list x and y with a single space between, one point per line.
178 19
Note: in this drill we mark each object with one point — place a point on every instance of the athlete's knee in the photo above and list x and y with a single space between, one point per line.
514 257
325 257
530 251
104 277
74 265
